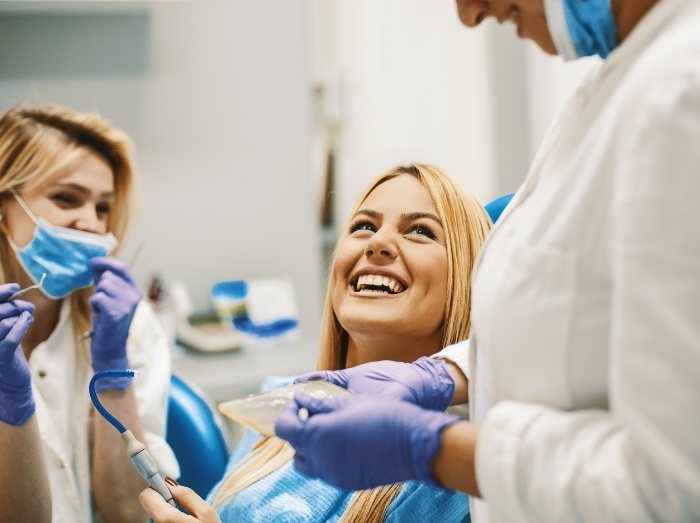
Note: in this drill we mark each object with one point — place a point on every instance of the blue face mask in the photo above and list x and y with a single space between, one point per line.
63 254
581 27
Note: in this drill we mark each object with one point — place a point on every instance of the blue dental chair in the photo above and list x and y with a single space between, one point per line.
196 434
495 207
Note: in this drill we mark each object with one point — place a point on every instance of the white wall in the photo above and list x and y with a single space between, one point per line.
407 83
216 95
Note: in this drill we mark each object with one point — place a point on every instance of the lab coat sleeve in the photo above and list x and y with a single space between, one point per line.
457 354
640 460
149 353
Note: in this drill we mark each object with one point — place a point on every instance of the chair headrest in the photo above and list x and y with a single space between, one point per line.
495 207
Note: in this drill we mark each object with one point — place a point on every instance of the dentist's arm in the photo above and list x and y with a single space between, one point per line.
24 485
358 443
116 483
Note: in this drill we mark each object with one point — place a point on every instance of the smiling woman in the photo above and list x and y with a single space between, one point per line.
398 290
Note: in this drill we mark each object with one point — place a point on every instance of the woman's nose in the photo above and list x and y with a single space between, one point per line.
88 220
472 12
381 246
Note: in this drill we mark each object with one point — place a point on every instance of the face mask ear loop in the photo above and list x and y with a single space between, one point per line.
25 207
29 213
559 29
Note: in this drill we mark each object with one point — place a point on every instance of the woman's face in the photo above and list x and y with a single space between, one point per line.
528 16
389 275
80 198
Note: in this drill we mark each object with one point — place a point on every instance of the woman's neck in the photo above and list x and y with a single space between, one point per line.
628 13
366 348
46 317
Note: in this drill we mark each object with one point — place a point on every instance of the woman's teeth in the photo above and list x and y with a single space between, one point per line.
378 284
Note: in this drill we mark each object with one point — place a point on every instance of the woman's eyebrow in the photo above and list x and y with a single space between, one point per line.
368 212
84 190
411 216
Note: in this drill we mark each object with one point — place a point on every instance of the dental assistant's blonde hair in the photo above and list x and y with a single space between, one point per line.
466 225
36 142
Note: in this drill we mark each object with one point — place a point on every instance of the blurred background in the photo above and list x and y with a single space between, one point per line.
257 123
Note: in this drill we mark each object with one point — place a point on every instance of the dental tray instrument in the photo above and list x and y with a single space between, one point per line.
22 292
259 411
137 452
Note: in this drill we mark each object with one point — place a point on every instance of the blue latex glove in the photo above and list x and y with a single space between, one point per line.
357 443
16 400
113 306
425 382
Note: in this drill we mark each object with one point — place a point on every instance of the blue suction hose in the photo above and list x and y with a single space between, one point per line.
138 454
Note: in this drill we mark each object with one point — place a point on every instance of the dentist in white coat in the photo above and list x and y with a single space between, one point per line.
583 366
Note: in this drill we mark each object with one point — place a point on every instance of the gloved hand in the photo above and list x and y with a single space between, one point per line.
358 443
16 400
113 306
425 382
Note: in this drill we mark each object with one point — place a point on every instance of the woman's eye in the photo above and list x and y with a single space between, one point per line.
103 209
422 231
362 226
64 199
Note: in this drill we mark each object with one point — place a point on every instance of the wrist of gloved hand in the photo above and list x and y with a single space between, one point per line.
109 358
438 387
16 407
16 400
426 440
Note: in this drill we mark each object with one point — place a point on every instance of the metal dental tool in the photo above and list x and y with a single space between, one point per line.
22 292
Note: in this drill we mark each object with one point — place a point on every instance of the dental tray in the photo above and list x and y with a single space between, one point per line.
259 411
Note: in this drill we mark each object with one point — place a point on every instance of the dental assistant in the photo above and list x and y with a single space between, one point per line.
583 365
65 191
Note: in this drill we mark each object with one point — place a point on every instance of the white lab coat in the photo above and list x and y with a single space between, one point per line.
585 347
60 386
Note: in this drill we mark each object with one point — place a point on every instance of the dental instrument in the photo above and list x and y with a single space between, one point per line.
137 451
259 411
22 292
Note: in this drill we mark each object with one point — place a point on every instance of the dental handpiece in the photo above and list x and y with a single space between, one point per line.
137 451
146 467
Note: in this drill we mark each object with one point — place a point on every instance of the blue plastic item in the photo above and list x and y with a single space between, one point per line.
196 435
264 330
495 207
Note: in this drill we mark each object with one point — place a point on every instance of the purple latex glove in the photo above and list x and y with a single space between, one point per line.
16 400
357 443
425 382
113 306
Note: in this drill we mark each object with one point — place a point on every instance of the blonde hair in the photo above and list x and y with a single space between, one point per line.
466 225
36 142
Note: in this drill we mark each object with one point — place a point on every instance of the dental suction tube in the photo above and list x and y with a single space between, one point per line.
137 451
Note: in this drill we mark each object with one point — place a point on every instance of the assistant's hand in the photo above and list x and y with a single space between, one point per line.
113 306
357 443
16 400
162 512
425 382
